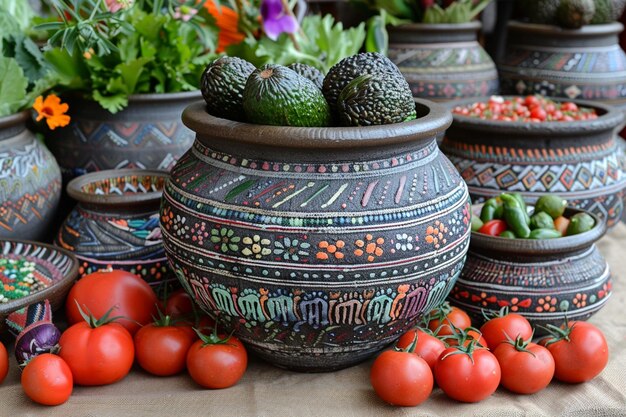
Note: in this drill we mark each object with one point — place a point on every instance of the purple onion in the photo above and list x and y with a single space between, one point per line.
42 337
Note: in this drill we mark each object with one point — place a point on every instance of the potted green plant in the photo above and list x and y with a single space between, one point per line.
127 69
30 185
434 43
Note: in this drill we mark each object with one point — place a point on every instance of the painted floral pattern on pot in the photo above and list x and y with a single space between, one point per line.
30 181
443 61
577 64
148 134
581 161
316 264
534 279
116 223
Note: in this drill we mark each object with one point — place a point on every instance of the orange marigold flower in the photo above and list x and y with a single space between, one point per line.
52 110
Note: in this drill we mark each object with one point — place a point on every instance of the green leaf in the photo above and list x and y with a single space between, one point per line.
20 11
30 59
113 103
130 72
377 37
13 86
71 69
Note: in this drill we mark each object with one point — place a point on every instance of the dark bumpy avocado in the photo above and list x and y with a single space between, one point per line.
617 8
540 11
277 95
603 12
376 99
573 14
222 86
351 67
309 72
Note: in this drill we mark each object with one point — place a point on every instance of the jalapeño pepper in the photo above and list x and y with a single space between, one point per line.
544 234
580 223
507 234
476 223
522 204
541 220
490 210
515 216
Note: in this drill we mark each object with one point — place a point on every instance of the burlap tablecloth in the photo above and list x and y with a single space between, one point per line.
269 391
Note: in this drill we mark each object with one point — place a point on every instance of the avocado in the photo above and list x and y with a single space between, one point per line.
351 67
222 85
376 99
277 95
617 9
540 11
573 14
603 12
309 72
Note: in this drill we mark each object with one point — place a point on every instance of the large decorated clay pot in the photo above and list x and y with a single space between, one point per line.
148 134
443 61
115 224
583 161
317 246
585 63
30 181
543 280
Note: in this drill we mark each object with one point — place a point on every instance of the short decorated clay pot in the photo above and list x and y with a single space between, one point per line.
443 62
543 280
585 63
582 161
115 224
316 246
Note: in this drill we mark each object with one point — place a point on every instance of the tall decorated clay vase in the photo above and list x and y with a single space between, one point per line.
30 181
317 246
148 134
585 63
582 161
443 62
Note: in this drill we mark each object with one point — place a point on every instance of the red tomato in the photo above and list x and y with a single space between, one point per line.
581 354
4 363
162 350
179 304
442 317
97 356
47 380
98 292
569 106
496 330
401 378
538 113
427 347
493 227
217 363
468 377
526 368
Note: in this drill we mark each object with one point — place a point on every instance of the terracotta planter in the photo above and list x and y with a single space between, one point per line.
317 246
148 134
443 61
543 280
30 181
582 161
116 223
586 63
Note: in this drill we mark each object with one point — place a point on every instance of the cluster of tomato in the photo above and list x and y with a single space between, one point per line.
131 325
469 364
526 109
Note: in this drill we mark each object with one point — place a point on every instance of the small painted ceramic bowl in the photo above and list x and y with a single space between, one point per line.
52 270
544 280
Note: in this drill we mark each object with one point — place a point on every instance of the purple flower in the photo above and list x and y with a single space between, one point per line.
275 20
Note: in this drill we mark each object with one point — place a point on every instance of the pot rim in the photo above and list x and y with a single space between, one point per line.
537 246
146 97
611 118
15 118
436 118
584 31
439 27
74 187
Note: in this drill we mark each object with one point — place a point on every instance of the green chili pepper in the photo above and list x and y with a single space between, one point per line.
476 223
541 220
499 213
515 216
579 223
522 204
544 234
490 210
507 234
551 204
